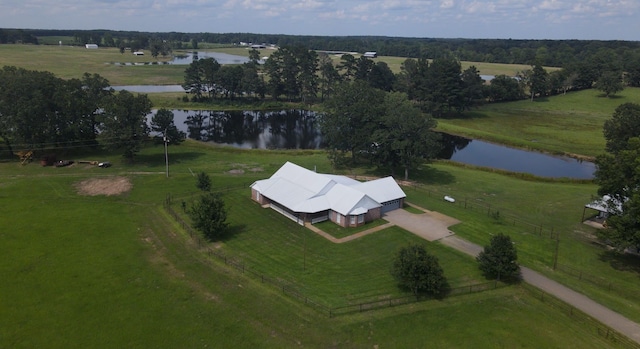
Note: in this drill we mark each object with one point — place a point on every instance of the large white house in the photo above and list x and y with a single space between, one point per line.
307 196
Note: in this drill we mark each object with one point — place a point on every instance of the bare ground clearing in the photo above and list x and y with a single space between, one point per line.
104 186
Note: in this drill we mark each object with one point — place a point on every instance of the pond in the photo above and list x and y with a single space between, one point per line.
297 129
149 88
189 57
480 153
222 58
282 129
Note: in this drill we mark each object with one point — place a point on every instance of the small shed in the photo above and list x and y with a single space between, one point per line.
371 54
91 46
605 206
138 53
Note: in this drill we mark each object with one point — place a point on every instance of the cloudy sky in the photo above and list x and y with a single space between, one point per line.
517 19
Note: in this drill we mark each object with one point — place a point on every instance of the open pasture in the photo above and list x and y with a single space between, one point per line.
563 124
78 268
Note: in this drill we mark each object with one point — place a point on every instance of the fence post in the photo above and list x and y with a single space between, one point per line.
555 255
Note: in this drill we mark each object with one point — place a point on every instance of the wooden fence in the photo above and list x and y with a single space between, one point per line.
395 301
291 291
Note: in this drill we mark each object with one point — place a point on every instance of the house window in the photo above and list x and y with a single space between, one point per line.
353 220
361 218
338 218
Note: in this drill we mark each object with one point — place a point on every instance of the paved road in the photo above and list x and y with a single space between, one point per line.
433 226
597 311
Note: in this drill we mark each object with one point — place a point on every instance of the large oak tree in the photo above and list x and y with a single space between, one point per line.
124 122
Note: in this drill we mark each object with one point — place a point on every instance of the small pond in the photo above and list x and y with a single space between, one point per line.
297 129
222 58
149 88
189 57
480 153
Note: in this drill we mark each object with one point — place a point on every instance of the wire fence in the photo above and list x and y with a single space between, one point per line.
579 316
492 211
603 283
395 301
293 292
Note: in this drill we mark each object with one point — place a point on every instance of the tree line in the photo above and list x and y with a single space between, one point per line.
555 53
39 111
439 86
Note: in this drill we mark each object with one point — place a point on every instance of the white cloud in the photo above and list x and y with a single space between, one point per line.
440 18
444 4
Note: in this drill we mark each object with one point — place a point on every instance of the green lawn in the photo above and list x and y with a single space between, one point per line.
331 274
72 62
570 123
82 271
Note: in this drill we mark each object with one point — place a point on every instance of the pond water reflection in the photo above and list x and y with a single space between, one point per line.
222 58
479 153
297 129
283 129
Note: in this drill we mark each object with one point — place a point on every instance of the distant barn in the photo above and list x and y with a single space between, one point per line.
93 46
371 54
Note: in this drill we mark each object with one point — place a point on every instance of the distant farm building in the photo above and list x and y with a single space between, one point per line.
370 54
92 46
138 53
305 196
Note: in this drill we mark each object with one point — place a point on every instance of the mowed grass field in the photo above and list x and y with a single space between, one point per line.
95 271
72 62
565 124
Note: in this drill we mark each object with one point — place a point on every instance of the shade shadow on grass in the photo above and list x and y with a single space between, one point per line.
622 262
232 232
468 115
176 157
432 176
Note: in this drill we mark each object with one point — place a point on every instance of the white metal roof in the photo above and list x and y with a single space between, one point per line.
382 190
605 204
302 190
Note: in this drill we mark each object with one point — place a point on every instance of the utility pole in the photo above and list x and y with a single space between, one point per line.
166 151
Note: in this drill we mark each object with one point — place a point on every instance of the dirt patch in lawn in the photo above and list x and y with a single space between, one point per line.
104 186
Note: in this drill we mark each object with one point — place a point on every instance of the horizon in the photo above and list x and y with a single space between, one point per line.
606 20
313 35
